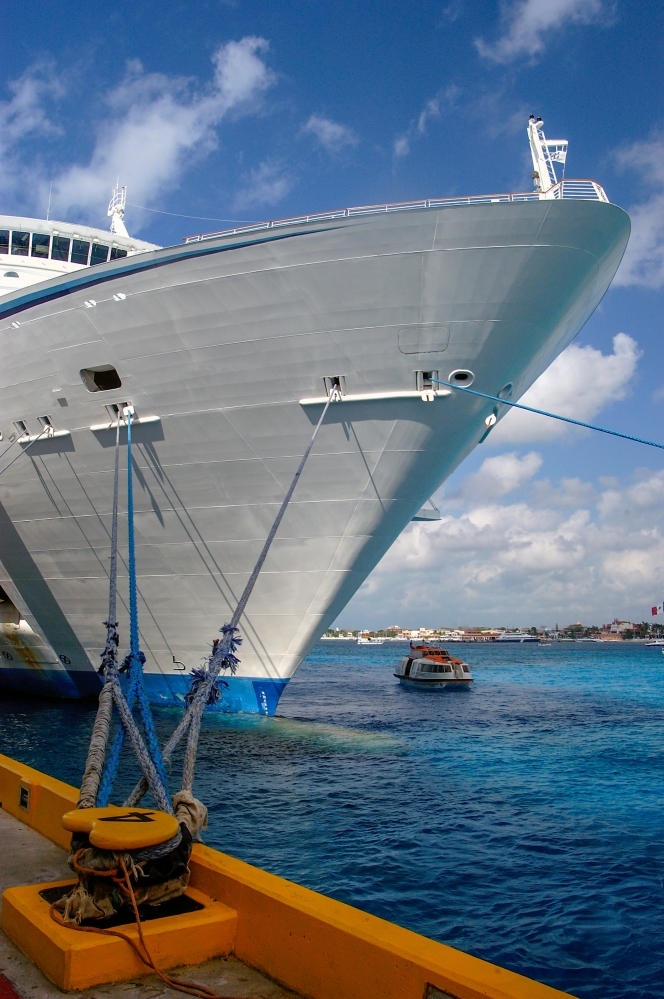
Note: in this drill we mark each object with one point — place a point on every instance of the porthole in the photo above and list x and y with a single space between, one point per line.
462 377
101 379
506 391
11 274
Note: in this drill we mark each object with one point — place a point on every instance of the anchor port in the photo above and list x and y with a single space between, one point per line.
103 378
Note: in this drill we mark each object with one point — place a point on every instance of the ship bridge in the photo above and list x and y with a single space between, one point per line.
33 250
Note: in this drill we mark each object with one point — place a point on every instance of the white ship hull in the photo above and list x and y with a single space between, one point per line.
228 342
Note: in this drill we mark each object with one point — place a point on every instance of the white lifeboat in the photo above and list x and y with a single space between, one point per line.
428 666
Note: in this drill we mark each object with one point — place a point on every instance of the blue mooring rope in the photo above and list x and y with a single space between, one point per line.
553 416
133 663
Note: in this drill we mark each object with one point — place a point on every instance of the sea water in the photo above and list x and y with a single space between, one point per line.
520 821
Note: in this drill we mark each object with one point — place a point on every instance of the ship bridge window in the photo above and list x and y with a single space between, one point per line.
79 251
101 379
4 240
20 243
99 254
116 252
40 244
60 248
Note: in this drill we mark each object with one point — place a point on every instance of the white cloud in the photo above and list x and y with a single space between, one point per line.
21 116
579 383
529 22
157 124
430 110
643 263
401 146
330 134
267 184
521 564
570 492
155 127
446 96
500 475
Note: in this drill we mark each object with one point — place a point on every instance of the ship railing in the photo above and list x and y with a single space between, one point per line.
579 190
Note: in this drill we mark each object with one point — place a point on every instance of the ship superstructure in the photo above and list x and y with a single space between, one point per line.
35 250
227 348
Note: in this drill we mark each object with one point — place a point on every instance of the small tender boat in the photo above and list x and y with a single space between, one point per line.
428 666
368 640
655 641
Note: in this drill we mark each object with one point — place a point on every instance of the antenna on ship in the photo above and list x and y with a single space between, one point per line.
116 210
545 152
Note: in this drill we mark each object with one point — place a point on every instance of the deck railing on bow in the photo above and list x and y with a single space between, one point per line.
579 190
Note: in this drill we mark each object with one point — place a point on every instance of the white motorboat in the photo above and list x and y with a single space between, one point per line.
428 666
517 636
368 640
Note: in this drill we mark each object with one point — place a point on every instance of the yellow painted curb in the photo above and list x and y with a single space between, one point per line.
311 944
75 960
36 799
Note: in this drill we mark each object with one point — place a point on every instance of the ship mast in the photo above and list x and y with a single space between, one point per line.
116 209
545 152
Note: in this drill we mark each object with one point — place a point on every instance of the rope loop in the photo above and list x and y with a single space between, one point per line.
199 679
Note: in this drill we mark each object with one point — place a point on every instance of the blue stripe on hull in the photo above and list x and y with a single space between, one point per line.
76 685
243 694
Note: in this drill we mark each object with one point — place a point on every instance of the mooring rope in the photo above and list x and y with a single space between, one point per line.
111 693
553 416
45 432
133 664
204 689
94 765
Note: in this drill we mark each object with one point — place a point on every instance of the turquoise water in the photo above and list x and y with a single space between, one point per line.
520 821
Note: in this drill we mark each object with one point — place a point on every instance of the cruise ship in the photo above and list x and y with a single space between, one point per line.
227 347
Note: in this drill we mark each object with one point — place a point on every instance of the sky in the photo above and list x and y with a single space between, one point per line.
228 110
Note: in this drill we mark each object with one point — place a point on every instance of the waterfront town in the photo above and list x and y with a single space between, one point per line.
616 631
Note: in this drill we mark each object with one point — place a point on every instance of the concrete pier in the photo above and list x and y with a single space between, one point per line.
281 932
26 858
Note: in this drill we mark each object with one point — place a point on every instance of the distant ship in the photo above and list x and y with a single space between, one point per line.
227 347
516 636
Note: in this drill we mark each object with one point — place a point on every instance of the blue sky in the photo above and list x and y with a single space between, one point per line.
241 111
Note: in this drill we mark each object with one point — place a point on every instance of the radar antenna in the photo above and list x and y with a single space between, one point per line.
116 209
545 153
